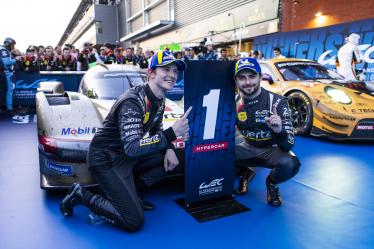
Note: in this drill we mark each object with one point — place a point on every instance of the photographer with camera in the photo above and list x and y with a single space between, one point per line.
86 57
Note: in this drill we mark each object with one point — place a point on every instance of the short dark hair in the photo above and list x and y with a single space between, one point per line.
224 49
276 49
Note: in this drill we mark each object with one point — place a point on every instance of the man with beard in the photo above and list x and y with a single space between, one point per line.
266 133
132 151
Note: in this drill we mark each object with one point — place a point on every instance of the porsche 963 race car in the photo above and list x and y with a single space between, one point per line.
67 121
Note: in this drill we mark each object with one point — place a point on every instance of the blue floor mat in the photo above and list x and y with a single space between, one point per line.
327 205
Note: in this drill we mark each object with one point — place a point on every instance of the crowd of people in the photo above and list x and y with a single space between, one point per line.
69 58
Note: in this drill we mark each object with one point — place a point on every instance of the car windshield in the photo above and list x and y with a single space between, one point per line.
111 85
300 70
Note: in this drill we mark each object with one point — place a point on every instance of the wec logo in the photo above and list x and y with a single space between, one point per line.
365 49
214 183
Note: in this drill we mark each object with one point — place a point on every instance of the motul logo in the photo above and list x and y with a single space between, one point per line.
214 183
365 127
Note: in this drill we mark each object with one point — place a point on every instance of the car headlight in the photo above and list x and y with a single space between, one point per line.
338 95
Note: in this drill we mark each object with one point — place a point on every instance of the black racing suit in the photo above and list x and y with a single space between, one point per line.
257 145
122 149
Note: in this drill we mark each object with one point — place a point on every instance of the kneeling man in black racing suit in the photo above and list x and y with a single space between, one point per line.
122 149
266 132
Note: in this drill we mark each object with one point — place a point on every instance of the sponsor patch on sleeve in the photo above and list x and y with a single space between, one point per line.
150 140
146 117
242 116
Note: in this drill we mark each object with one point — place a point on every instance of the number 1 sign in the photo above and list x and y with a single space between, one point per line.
209 89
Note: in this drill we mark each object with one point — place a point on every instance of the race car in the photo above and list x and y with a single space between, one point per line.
67 121
323 104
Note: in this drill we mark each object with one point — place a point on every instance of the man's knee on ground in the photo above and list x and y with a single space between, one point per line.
289 166
132 224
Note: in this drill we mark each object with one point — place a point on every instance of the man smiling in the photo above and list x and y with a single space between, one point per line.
266 132
132 151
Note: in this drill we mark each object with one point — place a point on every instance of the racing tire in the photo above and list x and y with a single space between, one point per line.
301 112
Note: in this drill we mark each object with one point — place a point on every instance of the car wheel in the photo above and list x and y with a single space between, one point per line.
301 111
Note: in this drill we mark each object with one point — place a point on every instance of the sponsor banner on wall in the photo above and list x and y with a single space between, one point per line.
209 89
27 84
322 44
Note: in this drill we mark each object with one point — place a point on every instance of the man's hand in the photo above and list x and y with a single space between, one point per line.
170 160
180 127
274 121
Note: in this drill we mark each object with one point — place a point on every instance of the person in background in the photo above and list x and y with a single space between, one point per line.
9 62
47 62
140 58
348 56
129 57
260 56
3 85
67 63
223 55
118 53
110 58
255 54
210 54
277 53
58 52
86 57
31 60
148 55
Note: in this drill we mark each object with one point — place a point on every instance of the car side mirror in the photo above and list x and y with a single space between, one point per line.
267 77
92 94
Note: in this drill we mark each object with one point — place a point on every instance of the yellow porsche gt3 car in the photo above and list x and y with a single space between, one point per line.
322 102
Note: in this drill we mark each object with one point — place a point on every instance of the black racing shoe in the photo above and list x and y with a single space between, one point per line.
146 205
73 198
244 180
273 196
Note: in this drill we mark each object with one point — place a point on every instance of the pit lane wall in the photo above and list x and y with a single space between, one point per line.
322 44
27 84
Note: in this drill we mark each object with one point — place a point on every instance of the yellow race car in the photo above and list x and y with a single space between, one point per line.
322 102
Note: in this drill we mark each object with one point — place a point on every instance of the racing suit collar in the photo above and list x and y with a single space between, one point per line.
151 96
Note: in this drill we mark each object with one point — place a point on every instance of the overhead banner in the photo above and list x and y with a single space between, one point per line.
210 151
322 44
